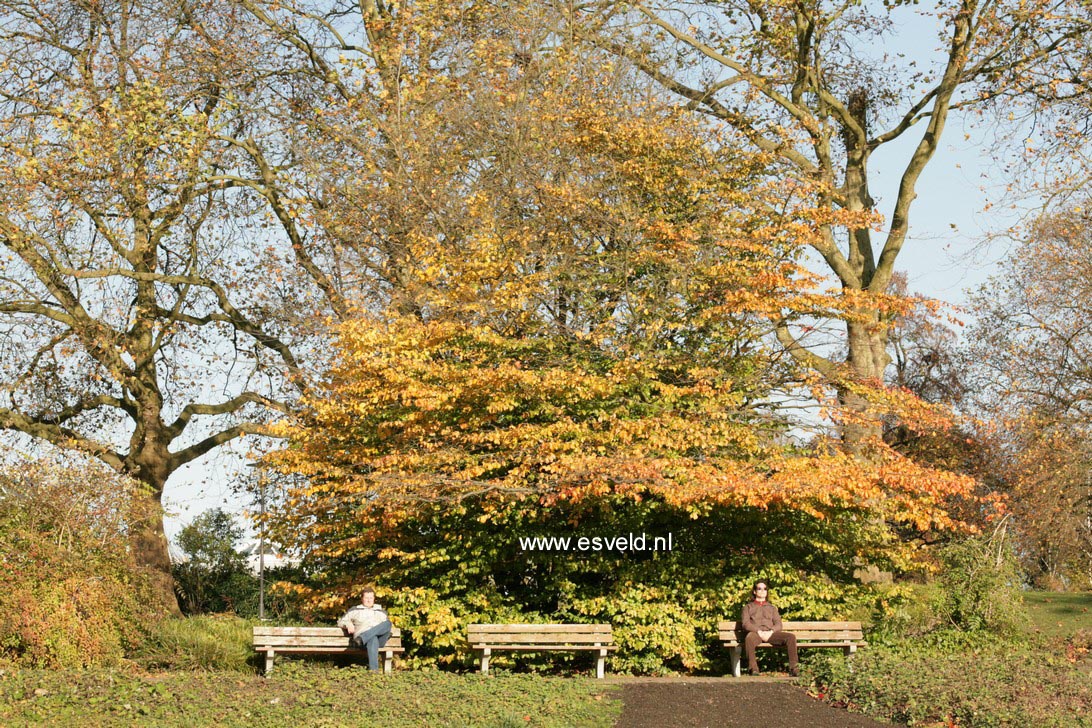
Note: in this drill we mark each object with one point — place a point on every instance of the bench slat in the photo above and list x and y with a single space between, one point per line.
287 640
820 644
543 628
280 641
542 639
309 631
816 634
294 631
804 643
730 626
541 647
316 649
790 628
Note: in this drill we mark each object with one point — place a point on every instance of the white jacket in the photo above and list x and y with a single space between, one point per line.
360 618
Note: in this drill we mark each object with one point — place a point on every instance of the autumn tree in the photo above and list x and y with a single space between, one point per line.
436 445
814 85
1030 347
135 285
928 363
577 340
400 129
924 349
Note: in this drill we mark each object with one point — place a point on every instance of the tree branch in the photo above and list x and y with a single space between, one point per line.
193 452
801 353
232 405
60 436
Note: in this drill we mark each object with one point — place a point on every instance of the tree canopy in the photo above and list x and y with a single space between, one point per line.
527 252
1030 347
815 85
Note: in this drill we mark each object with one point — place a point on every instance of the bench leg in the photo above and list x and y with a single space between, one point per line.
268 661
736 651
485 661
600 664
849 649
388 662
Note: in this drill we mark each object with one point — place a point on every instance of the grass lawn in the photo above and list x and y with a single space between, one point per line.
300 693
1059 614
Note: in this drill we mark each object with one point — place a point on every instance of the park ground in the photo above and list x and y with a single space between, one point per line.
324 693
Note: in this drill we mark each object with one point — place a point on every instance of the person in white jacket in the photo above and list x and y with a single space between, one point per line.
367 625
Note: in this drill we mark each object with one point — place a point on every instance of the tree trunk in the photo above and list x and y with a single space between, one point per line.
867 358
150 465
150 548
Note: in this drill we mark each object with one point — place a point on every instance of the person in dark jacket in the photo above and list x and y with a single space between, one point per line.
762 622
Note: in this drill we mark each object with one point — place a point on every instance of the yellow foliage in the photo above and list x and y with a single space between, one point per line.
579 283
418 412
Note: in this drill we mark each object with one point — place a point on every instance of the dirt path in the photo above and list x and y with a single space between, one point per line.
728 702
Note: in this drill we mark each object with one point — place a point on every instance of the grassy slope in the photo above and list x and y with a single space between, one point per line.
301 694
1044 682
1059 614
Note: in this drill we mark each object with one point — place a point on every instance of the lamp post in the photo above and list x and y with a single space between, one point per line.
261 542
261 547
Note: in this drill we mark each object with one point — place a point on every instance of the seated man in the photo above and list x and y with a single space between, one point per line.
763 624
367 625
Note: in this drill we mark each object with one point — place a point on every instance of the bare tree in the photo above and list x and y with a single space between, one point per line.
137 289
1032 378
810 83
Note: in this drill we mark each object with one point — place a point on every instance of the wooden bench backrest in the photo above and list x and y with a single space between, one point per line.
317 637
847 632
540 634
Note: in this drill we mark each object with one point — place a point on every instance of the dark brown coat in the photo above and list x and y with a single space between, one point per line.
760 616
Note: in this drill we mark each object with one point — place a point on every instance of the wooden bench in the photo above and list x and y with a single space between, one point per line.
272 640
846 635
541 637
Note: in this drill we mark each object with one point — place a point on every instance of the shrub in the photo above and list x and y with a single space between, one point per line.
903 611
70 595
977 589
462 564
979 585
957 678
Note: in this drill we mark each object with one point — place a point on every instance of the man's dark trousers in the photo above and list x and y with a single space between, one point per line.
753 640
